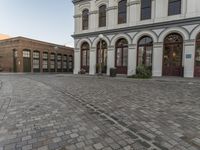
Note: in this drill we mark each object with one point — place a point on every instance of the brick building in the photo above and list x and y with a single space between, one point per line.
22 54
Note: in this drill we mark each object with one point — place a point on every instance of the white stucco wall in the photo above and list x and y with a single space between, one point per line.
187 30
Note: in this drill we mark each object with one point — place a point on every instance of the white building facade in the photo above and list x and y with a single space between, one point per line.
161 34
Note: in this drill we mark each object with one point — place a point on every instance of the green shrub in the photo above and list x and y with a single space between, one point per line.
143 72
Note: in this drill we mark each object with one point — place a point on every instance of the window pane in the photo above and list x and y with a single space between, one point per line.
52 56
45 64
125 56
174 7
52 64
84 59
85 19
197 56
145 9
59 66
64 65
45 55
122 11
26 54
141 56
36 55
149 50
119 57
36 64
102 16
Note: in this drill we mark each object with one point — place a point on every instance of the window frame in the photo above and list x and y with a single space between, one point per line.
102 16
122 12
142 16
85 19
170 2
145 46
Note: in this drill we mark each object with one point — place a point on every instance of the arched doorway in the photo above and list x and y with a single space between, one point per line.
145 51
121 56
102 56
85 56
172 55
197 57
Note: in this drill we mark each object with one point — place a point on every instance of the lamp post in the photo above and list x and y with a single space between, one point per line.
100 60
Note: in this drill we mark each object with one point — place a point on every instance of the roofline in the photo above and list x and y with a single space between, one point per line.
33 40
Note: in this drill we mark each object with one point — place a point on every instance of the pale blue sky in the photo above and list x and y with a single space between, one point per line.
46 20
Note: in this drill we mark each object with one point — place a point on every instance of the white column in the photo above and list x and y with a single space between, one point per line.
93 21
110 58
77 62
157 59
188 58
133 12
92 68
132 59
112 17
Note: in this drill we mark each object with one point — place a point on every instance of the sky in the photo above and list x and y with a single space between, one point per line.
46 20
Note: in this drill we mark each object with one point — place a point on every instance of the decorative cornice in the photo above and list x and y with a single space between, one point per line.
79 1
93 12
77 16
133 3
111 8
151 26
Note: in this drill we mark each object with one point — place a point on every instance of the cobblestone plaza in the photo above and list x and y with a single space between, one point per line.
73 112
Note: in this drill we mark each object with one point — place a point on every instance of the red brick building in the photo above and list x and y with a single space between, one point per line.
22 54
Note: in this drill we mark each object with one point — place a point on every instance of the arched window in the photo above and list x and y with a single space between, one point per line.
102 16
85 19
197 57
174 7
121 56
122 11
85 55
172 55
145 9
145 50
102 55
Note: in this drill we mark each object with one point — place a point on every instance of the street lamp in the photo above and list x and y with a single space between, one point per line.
100 63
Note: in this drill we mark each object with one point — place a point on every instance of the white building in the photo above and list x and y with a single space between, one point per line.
161 34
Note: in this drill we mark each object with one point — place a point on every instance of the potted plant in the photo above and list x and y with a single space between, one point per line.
82 71
113 72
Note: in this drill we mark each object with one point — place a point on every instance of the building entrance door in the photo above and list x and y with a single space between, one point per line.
26 61
14 60
172 56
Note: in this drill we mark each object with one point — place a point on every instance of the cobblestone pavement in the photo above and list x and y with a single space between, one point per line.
67 112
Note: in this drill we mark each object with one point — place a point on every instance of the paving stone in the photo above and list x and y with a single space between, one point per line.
98 146
56 111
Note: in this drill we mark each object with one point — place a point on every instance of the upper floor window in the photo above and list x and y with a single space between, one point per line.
174 7
85 19
122 11
102 16
145 9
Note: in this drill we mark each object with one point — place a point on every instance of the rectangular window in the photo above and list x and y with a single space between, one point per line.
26 54
45 61
174 7
145 9
122 11
52 62
36 60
